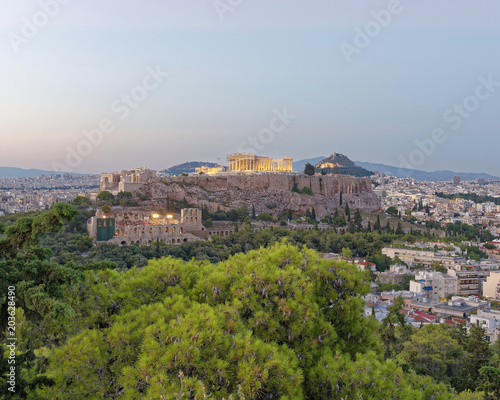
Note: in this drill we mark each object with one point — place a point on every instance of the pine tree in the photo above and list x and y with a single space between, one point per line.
309 169
340 202
188 328
393 339
289 215
399 229
347 212
204 213
313 214
478 347
253 211
308 214
369 228
358 220
377 225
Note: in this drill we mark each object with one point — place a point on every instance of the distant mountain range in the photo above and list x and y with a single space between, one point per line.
301 164
11 172
442 175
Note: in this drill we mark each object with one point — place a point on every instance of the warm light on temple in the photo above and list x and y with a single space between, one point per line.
156 215
170 216
253 163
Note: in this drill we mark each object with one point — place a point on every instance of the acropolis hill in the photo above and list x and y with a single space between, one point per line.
268 192
267 184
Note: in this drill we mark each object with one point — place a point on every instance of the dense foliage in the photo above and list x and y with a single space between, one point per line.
274 323
78 247
259 315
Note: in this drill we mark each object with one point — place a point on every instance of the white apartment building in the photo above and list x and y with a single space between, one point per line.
420 257
490 321
436 285
491 287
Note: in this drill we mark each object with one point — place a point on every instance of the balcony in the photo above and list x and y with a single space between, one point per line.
471 287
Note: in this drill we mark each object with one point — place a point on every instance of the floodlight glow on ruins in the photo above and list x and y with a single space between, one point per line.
156 215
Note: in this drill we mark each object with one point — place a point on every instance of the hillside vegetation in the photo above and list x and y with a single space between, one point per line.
277 322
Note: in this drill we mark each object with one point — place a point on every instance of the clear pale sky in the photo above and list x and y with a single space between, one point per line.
232 64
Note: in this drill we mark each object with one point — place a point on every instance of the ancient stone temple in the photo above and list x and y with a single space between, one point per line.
251 162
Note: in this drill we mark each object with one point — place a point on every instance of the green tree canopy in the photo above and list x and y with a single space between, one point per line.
38 282
392 211
433 351
106 196
309 169
280 322
479 352
81 202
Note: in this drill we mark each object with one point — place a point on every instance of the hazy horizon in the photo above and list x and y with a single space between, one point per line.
388 82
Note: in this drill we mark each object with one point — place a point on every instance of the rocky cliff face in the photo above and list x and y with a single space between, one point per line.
268 193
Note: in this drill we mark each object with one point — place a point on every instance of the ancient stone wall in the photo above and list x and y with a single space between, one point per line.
133 228
326 185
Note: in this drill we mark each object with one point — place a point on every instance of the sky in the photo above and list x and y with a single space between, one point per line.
93 86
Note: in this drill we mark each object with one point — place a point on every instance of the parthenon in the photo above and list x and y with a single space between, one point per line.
251 162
